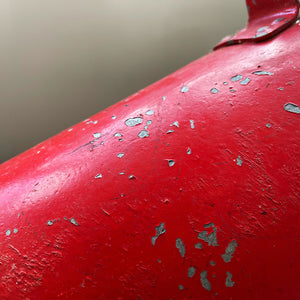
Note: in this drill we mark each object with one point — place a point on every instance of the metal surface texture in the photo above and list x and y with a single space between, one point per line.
266 19
188 189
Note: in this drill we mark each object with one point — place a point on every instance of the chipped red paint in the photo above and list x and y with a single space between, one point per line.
266 19
204 203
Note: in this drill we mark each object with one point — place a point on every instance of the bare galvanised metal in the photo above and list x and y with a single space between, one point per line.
188 189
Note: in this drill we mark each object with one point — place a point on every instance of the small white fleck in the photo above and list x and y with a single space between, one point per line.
268 125
113 117
164 98
189 151
175 124
49 223
149 122
96 135
170 131
15 230
149 112
98 176
8 232
181 287
184 89
134 121
171 162
38 152
239 161
120 155
70 129
117 134
131 177
122 173
73 221
214 90
142 134
192 124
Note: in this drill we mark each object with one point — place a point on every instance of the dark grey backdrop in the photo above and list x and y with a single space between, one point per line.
64 60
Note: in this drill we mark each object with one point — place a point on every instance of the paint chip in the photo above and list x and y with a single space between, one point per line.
239 161
245 81
170 131
189 151
198 246
113 117
263 73
181 287
49 223
118 134
236 78
212 263
134 121
149 122
120 155
214 90
164 98
131 177
293 108
8 232
175 124
191 272
204 281
143 134
229 282
192 124
184 89
98 176
149 112
15 230
73 221
268 125
180 247
229 252
171 162
159 231
97 135
211 238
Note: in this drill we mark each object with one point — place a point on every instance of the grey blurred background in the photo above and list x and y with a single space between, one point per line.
64 60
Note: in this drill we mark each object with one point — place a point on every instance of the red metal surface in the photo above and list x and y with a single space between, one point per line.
266 19
188 189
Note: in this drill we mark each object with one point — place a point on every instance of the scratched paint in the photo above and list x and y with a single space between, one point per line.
239 161
263 73
159 231
184 89
228 281
204 281
236 78
171 162
134 121
229 252
293 108
211 238
245 81
214 90
149 112
143 134
191 272
180 246
73 221
97 135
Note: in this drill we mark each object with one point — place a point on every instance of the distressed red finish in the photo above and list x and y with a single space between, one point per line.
266 19
188 189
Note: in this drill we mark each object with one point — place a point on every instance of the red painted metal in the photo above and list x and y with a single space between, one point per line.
266 19
188 189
